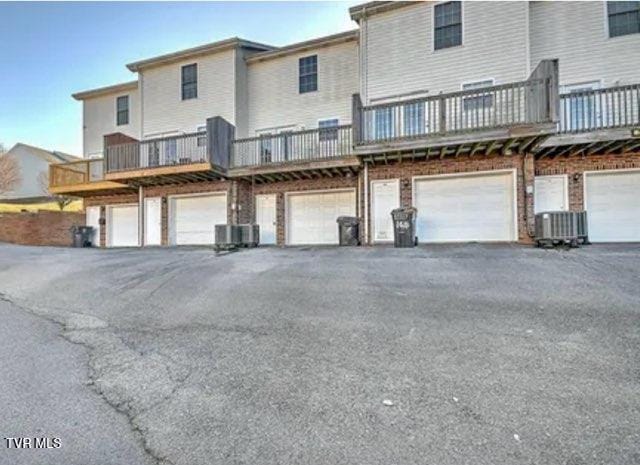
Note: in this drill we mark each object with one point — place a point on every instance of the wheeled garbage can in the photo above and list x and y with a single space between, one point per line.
82 236
404 227
349 230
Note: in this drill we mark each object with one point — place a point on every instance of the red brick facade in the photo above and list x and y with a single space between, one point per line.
575 166
41 228
405 172
163 192
241 194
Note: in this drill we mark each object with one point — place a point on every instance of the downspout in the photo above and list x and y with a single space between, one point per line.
366 203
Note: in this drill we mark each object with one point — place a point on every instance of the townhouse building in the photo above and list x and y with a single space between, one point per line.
480 114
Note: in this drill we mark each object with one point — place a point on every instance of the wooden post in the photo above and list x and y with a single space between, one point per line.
356 119
442 104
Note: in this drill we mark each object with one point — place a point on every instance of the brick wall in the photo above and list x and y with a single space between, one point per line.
163 192
406 171
241 194
575 166
280 188
41 228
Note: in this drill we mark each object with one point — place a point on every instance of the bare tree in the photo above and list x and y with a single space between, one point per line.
61 200
9 171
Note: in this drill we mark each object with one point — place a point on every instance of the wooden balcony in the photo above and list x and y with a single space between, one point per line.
81 178
319 152
508 118
182 158
597 121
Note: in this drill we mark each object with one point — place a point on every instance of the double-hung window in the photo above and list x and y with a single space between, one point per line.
478 101
327 130
189 81
447 25
122 110
308 74
623 17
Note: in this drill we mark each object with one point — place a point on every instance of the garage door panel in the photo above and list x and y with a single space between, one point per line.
123 227
613 206
194 218
465 208
311 218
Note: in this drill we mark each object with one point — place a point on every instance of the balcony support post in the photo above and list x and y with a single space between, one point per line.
141 214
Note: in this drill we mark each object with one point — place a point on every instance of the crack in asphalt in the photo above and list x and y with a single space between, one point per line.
65 320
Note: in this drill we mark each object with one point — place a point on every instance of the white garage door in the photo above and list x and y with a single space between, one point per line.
466 208
311 218
193 218
612 201
123 226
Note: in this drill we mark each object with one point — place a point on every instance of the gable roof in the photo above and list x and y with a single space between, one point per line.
100 91
359 11
197 51
298 47
48 156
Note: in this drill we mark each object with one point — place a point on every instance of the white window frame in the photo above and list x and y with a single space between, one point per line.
333 118
433 27
477 81
128 110
607 34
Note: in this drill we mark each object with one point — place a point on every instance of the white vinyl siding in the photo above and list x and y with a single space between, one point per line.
100 118
400 56
576 33
165 111
274 98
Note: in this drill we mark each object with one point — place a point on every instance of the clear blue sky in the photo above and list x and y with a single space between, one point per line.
50 50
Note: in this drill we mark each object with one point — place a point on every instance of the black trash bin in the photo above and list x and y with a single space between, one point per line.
404 227
349 230
82 236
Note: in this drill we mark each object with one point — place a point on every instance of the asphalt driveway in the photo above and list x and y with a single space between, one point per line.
470 354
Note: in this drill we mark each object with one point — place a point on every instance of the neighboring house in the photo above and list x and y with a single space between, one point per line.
478 113
33 166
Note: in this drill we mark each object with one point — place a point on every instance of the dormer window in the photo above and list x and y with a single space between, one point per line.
189 82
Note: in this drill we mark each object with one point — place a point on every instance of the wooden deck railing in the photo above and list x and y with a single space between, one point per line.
76 172
596 109
518 103
153 153
295 146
